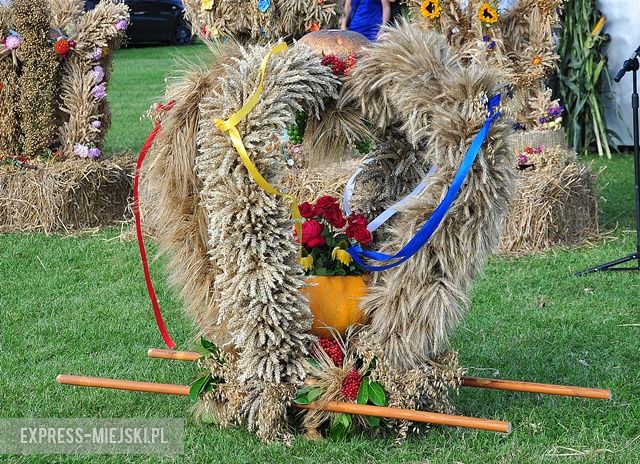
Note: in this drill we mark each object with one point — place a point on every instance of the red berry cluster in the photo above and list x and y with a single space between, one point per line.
61 47
338 66
333 350
351 385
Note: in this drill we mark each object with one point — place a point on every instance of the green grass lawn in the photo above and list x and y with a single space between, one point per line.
78 305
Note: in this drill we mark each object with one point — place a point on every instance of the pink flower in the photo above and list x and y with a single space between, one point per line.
98 74
122 24
99 91
94 153
12 42
312 234
81 150
522 159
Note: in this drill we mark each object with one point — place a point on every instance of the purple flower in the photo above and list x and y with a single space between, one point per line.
99 91
486 38
81 150
94 153
12 42
543 120
98 74
522 159
97 54
122 24
539 149
555 111
492 45
96 124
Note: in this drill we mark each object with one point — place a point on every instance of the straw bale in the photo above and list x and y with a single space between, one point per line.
66 196
551 208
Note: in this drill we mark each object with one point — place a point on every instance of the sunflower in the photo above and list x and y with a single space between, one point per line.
488 14
431 9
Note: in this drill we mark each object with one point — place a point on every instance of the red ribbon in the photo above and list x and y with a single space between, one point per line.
136 212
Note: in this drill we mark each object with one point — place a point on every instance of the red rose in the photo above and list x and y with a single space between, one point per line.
312 234
307 210
325 202
362 235
334 216
357 219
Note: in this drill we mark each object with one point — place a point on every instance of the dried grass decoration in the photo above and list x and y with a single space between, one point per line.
55 63
65 196
261 21
520 46
555 202
243 277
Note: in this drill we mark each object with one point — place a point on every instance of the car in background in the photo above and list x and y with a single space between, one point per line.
156 21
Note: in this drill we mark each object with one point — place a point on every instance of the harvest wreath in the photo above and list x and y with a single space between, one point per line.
219 209
55 65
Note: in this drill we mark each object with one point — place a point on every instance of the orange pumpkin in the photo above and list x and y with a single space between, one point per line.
334 302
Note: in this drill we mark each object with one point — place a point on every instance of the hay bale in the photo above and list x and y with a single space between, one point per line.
536 138
66 196
551 208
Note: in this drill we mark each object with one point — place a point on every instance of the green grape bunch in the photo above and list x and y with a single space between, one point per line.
295 131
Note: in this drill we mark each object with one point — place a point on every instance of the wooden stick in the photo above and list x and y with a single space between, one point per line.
530 387
493 384
411 415
129 385
331 406
174 355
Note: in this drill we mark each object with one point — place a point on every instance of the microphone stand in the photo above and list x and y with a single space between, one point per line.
633 65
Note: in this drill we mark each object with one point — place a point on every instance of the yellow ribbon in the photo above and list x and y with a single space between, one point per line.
230 126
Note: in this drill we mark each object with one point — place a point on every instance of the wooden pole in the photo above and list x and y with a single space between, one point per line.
530 387
174 355
129 385
477 382
331 406
411 415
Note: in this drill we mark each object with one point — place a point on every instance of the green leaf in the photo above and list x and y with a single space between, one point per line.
372 421
302 396
363 392
376 394
314 362
337 431
203 351
340 426
314 394
211 349
198 387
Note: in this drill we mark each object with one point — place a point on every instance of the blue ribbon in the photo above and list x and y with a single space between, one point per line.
387 214
428 228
